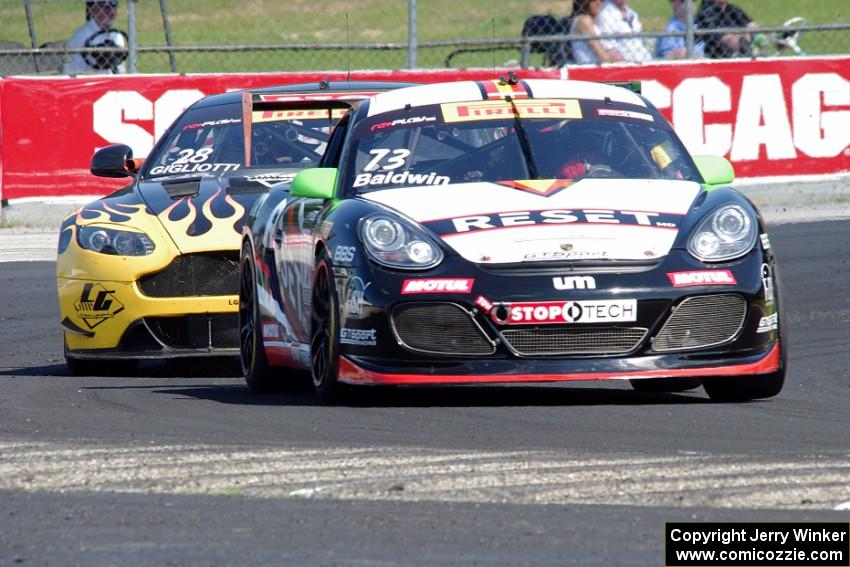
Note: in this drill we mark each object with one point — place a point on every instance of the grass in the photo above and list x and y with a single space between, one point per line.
226 22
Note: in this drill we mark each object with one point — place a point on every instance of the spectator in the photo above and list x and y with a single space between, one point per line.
97 32
583 22
715 14
673 47
617 17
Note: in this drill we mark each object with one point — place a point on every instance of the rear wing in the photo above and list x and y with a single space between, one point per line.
258 106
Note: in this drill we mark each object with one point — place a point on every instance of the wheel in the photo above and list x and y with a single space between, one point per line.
252 355
99 367
744 388
324 334
659 385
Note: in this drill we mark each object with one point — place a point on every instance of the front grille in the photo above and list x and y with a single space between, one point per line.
702 321
216 330
439 328
192 275
574 340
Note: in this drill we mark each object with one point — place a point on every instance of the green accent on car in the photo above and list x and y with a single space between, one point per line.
315 183
715 170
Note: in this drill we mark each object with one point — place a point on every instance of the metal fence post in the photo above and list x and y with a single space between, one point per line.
132 59
689 38
31 26
412 42
166 25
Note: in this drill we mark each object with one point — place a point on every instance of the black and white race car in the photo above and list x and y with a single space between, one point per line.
511 231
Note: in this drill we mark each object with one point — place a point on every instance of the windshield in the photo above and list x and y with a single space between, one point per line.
210 140
498 141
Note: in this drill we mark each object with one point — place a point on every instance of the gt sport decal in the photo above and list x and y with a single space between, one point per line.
702 277
769 323
97 304
498 89
544 217
444 285
554 312
501 110
297 114
358 337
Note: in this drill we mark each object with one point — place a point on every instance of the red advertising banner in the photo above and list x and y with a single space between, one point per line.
770 117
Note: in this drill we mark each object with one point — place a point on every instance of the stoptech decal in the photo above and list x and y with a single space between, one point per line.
443 285
501 110
476 223
702 277
298 114
560 312
97 304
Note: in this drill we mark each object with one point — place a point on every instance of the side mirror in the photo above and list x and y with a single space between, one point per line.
315 183
715 170
111 161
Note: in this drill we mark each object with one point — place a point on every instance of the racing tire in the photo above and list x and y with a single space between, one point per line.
744 388
662 385
324 334
99 367
252 354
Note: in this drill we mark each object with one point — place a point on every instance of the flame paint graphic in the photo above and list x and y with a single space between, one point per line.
219 215
101 211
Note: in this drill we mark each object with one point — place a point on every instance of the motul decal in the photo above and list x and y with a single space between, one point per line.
444 285
702 277
551 312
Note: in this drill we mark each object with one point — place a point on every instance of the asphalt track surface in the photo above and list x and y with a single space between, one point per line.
182 465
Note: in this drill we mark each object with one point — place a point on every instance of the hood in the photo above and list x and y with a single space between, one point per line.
546 220
207 213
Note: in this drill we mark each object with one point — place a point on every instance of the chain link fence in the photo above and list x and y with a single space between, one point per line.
188 36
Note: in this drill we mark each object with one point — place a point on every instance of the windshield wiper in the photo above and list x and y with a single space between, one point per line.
523 141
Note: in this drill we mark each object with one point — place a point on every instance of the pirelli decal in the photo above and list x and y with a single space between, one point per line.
297 114
502 109
495 90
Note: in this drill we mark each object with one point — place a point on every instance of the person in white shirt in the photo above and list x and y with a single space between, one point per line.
97 32
617 17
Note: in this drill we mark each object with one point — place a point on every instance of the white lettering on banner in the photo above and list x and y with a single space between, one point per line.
762 120
692 99
818 133
761 116
114 108
109 113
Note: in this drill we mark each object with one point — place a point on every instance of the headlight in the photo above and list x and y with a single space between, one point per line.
114 242
396 244
726 233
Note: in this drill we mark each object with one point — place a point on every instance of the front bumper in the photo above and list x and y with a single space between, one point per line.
113 319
